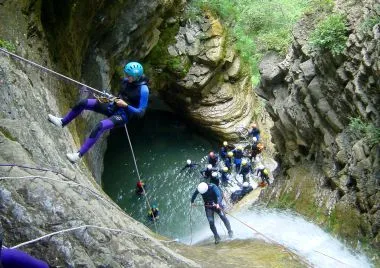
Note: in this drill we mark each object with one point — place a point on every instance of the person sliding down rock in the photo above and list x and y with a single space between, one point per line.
212 199
132 101
239 194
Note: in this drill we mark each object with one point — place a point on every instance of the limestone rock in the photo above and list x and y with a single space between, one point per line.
318 94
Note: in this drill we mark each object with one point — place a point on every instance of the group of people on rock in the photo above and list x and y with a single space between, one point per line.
236 159
218 171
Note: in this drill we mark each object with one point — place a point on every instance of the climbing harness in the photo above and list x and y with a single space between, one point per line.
103 94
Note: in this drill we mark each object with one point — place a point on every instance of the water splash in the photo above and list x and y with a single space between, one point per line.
305 239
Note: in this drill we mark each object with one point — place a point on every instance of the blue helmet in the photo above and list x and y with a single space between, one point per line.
134 69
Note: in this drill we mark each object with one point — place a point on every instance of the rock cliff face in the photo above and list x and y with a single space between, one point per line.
311 97
206 82
36 202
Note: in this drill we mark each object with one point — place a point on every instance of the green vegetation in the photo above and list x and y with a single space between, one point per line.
256 26
159 57
363 130
7 134
320 6
8 46
330 34
368 23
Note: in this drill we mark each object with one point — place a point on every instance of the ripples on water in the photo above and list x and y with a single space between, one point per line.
161 151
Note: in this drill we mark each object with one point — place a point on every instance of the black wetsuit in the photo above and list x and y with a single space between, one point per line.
239 194
210 198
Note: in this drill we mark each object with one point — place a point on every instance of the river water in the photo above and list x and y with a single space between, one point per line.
162 144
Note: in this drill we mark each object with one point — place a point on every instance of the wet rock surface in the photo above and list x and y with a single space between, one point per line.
312 96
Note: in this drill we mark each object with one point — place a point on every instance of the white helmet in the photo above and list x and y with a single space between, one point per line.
240 147
244 162
214 174
225 169
209 166
202 187
245 184
225 143
188 161
254 139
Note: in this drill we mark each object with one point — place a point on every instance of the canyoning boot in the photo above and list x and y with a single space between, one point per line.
217 239
230 234
55 120
74 157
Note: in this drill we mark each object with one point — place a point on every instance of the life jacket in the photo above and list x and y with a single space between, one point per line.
153 212
140 184
131 92
238 153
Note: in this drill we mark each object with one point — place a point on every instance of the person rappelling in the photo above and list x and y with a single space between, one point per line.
132 101
154 213
140 188
212 199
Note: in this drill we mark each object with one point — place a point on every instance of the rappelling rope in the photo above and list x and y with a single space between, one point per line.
35 168
191 226
87 226
138 175
72 183
107 95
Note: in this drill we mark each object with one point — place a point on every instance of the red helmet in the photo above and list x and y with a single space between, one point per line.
139 184
212 154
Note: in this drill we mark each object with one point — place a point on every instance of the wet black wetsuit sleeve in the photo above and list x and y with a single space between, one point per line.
194 196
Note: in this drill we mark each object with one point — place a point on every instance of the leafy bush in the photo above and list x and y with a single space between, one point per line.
320 6
256 26
330 34
368 23
365 130
8 46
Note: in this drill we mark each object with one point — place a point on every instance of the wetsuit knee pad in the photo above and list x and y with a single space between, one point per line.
80 105
98 129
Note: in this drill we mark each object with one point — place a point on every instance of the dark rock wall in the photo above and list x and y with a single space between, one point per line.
34 203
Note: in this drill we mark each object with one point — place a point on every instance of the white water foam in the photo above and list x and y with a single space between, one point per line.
305 239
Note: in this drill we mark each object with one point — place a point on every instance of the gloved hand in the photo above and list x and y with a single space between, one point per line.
121 103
